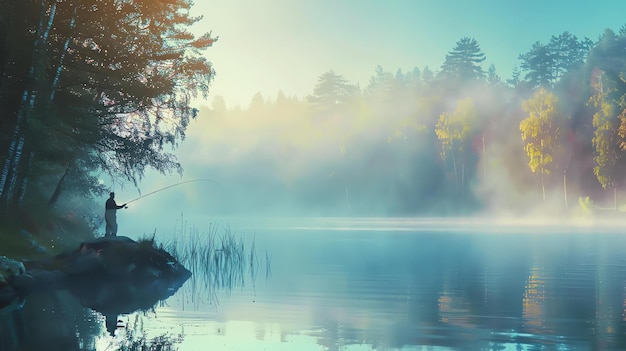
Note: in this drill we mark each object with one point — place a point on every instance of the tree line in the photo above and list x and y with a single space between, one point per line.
105 87
457 140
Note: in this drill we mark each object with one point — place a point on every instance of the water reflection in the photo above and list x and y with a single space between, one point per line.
562 288
55 321
220 259
137 338
114 276
503 288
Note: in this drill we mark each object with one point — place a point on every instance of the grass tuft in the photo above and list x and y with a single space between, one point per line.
218 259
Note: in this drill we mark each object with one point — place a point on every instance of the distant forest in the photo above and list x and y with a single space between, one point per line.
106 86
459 141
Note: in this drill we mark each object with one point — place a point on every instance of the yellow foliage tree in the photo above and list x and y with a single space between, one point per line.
605 137
453 131
540 133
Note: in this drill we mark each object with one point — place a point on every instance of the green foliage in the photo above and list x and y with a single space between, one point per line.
382 81
515 77
546 64
492 77
568 53
464 62
331 90
108 85
538 62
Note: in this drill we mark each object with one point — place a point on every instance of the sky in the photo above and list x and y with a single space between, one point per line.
285 45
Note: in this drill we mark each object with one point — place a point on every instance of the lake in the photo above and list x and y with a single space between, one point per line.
403 284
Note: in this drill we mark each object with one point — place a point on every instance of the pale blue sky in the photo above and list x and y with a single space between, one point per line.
271 45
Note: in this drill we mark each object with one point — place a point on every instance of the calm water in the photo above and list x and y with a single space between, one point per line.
374 284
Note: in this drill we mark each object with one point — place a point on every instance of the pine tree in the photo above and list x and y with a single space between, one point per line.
547 64
331 90
106 85
464 62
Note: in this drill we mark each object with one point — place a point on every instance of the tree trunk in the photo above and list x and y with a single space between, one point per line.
456 173
25 178
12 157
61 182
66 45
11 170
13 167
543 186
484 159
463 179
565 189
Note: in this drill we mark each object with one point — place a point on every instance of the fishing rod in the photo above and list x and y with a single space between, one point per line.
171 186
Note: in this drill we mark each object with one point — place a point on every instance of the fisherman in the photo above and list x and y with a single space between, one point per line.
110 215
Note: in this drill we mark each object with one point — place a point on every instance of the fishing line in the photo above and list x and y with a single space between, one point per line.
173 185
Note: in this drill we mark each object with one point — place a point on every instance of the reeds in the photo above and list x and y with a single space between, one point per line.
217 258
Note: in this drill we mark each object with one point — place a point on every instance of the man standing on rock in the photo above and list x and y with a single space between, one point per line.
110 215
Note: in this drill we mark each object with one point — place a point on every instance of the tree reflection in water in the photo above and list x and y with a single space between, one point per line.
135 338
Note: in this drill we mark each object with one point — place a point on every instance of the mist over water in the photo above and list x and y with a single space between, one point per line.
405 283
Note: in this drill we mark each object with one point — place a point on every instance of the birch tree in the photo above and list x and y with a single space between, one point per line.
24 70
539 133
605 137
453 131
605 65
